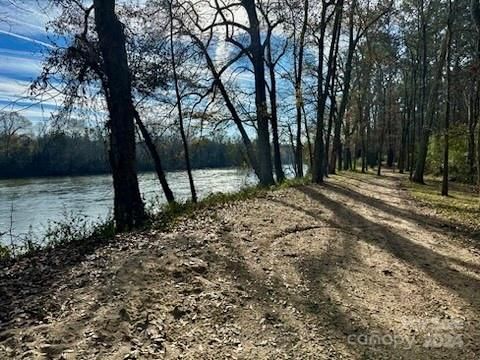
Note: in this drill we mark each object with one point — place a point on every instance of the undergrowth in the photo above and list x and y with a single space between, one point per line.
165 218
77 229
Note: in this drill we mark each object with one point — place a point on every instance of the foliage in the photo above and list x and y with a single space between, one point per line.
83 152
458 165
5 252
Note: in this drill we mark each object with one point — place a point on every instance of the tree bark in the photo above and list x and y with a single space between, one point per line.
299 92
128 205
277 157
352 43
258 60
475 12
156 159
319 147
432 99
251 153
180 112
447 105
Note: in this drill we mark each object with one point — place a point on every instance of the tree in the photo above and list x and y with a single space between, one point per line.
179 106
323 87
257 53
272 63
80 65
447 102
355 35
11 125
475 12
298 65
429 117
260 156
128 205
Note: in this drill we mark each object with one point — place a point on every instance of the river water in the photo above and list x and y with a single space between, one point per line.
29 205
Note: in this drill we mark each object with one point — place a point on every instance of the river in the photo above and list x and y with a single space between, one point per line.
29 205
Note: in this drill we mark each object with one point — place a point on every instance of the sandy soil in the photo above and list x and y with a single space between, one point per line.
353 269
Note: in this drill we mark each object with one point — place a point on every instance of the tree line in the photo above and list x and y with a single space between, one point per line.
346 84
82 151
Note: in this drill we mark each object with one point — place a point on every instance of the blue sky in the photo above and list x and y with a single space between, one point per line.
23 43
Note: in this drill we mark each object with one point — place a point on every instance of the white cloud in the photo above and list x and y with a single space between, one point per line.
24 17
26 38
22 63
12 88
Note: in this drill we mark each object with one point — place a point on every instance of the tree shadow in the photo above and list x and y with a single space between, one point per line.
319 270
333 323
428 261
40 280
347 178
433 224
434 265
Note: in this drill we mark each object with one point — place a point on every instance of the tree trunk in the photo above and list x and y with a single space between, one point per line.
403 144
413 127
156 159
129 210
251 153
299 93
432 99
447 105
319 148
292 146
475 11
333 115
382 134
257 55
309 141
352 42
277 156
472 124
180 112
402 156
331 120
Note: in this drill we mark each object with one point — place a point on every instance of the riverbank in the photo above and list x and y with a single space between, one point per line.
30 208
321 272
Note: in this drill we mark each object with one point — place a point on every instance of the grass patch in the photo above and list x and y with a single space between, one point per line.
461 206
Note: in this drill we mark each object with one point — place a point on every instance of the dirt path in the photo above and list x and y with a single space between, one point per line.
350 270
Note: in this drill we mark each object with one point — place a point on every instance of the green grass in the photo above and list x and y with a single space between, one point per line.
462 206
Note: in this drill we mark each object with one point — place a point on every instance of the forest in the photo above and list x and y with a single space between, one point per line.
370 250
82 151
342 85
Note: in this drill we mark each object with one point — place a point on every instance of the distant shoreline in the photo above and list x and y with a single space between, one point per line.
98 173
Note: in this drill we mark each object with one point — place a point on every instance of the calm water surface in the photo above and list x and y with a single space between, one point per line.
30 204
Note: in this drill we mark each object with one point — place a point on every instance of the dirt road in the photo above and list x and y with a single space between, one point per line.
353 269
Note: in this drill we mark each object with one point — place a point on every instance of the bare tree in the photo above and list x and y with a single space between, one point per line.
12 125
179 105
356 30
447 102
260 157
272 62
323 87
429 116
